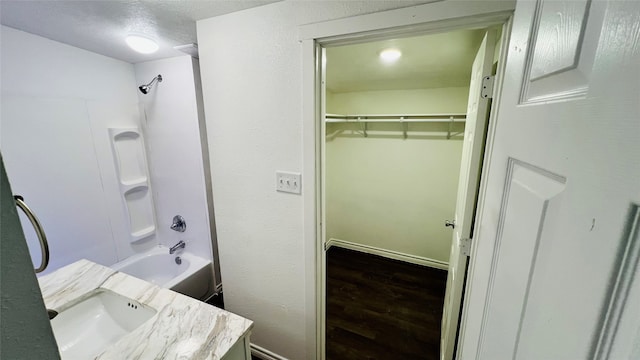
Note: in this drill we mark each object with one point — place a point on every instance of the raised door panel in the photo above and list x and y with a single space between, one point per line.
532 194
559 37
561 50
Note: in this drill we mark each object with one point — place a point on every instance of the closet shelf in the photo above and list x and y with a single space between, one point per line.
396 118
403 119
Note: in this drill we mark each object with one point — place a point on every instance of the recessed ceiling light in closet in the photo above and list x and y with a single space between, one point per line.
389 56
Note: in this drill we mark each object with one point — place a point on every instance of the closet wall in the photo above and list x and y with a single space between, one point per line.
388 192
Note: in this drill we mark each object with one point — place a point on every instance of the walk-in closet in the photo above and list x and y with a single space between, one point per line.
395 113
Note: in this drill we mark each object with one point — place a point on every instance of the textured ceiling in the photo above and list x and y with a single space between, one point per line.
101 26
429 61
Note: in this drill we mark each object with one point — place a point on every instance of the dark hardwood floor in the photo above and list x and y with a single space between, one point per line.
378 308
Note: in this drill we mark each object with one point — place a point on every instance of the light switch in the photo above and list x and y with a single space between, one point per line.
289 182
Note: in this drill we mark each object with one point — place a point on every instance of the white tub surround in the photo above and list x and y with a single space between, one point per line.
64 129
174 129
182 327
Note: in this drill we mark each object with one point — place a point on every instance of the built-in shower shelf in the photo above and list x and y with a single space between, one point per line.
130 185
131 162
143 233
131 169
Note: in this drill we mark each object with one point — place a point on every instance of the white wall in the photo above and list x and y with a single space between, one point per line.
252 82
172 130
57 102
389 192
416 101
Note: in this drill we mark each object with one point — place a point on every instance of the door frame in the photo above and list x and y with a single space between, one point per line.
418 20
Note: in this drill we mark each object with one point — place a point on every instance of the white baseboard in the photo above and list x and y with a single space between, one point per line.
265 354
419 260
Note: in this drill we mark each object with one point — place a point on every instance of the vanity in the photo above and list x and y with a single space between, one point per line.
100 313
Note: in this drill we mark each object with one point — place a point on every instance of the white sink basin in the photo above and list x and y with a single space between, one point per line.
87 328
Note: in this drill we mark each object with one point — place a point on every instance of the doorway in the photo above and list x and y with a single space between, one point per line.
399 169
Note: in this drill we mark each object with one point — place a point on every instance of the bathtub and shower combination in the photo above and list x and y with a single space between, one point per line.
181 271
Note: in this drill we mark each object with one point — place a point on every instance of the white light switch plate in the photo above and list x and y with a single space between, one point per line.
289 182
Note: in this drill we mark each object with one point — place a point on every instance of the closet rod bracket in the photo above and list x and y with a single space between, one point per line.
450 128
405 127
364 127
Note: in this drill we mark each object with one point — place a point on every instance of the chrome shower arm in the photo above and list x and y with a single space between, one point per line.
157 78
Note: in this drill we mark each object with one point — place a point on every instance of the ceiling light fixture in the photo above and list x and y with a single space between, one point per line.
390 55
142 44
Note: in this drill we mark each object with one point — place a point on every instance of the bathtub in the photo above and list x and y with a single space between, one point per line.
192 277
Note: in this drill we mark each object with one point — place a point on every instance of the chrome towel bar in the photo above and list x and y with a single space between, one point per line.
44 245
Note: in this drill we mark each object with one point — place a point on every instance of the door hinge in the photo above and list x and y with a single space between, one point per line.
465 246
487 87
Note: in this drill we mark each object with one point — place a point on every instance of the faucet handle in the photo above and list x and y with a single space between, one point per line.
179 224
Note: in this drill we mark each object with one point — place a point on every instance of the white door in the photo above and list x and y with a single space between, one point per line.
472 150
555 270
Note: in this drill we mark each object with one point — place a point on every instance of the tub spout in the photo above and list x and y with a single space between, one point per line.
179 245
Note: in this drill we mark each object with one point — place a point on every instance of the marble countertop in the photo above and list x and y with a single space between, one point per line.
182 328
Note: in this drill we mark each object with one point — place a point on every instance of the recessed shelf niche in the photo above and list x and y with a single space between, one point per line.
133 177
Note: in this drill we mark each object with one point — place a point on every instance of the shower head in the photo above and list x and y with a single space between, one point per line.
146 88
